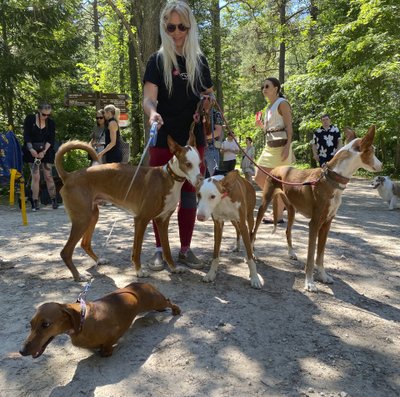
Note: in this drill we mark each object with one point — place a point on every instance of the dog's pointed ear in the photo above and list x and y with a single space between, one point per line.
173 146
199 182
74 317
192 138
230 179
369 138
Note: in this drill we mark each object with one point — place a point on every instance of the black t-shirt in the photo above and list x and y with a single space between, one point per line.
114 155
177 110
39 136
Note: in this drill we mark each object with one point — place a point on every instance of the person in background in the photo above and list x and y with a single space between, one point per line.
98 137
326 141
39 153
112 151
229 150
349 134
246 164
278 132
212 123
177 76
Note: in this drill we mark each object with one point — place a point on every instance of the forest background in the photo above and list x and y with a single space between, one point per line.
340 57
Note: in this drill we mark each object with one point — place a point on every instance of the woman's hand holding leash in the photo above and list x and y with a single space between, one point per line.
156 118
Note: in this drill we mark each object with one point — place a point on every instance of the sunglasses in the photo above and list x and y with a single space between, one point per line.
99 118
45 114
266 86
171 28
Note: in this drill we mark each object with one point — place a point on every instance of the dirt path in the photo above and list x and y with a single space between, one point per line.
231 340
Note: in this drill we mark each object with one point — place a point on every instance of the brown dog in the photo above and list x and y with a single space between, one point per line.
99 325
318 202
152 195
230 198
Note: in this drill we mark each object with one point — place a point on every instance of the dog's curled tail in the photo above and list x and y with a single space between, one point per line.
68 146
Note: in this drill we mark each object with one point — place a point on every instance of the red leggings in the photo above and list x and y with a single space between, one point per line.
187 205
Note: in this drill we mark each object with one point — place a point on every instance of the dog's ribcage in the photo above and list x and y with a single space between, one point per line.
334 204
226 210
171 200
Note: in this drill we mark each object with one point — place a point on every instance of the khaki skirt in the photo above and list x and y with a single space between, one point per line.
271 157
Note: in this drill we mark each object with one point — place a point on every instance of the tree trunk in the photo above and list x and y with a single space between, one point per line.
7 87
397 156
282 44
145 17
136 108
216 41
96 28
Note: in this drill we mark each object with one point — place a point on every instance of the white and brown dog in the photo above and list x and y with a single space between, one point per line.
152 195
387 189
230 198
317 194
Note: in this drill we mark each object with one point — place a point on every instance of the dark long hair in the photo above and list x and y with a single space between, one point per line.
276 83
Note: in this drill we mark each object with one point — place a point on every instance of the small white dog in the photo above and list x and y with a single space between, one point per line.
387 189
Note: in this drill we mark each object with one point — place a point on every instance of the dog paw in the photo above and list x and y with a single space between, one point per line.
102 261
292 254
141 273
310 286
323 277
83 278
178 270
326 279
256 282
209 277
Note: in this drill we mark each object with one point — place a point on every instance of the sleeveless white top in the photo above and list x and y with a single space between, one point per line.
274 126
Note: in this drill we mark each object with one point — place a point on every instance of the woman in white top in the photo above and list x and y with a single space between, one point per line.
278 132
246 164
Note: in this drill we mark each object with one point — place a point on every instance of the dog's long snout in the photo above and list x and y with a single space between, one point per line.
24 351
201 218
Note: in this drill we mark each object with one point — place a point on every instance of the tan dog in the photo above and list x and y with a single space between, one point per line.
230 198
152 195
319 202
99 325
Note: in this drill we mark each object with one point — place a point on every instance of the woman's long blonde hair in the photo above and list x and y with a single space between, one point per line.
191 48
114 110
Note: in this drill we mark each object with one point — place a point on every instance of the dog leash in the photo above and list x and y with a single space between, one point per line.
82 302
309 183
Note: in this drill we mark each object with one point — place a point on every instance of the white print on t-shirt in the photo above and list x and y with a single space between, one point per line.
183 76
322 152
329 140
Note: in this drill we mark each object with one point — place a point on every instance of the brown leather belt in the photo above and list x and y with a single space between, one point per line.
277 143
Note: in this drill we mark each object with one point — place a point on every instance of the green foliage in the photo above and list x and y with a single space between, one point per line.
342 57
75 160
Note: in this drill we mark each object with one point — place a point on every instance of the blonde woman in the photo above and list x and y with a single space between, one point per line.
112 150
176 77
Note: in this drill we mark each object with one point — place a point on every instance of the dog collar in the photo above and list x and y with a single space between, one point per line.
335 179
173 175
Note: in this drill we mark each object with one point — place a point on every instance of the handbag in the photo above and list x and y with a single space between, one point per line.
38 146
125 149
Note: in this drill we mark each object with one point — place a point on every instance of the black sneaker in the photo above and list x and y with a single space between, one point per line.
36 205
54 203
